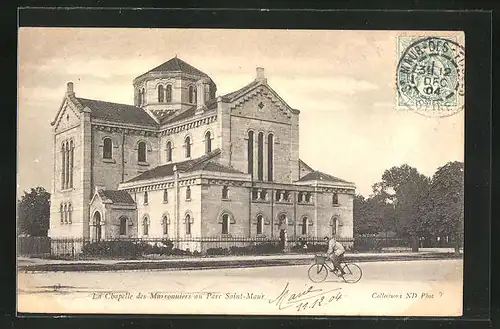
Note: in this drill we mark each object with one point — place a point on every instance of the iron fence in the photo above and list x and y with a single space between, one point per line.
72 248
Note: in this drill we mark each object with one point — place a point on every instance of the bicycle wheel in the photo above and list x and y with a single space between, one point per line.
352 274
317 273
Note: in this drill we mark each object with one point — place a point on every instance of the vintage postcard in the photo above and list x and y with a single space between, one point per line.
246 172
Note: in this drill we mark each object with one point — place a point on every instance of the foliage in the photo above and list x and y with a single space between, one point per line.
34 212
131 248
413 205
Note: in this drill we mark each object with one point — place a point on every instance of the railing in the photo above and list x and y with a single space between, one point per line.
72 248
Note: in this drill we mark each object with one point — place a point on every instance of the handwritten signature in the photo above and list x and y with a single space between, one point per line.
308 298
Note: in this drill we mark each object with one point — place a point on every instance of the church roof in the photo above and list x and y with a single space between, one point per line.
188 113
233 95
115 112
178 65
318 175
114 196
201 163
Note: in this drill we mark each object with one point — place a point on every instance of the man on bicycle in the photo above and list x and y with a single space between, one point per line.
335 253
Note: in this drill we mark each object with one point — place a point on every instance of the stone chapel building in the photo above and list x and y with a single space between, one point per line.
182 162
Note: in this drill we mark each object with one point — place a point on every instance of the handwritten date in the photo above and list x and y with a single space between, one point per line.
309 298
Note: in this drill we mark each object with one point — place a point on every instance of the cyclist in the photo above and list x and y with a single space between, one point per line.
335 253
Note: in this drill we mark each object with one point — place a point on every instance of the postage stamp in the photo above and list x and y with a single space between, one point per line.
430 75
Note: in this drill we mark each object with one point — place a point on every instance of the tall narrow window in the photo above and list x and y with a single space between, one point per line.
188 193
270 155
188 224
165 196
97 224
169 151
208 142
145 197
335 199
161 94
225 224
169 93
62 213
260 156
70 212
259 224
143 97
63 166
71 155
107 150
304 225
66 169
187 146
191 94
165 225
123 226
225 192
141 152
308 197
334 226
250 152
145 226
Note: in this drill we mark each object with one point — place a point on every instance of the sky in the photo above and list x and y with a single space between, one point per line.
343 83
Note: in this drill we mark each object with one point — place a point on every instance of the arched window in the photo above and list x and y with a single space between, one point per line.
107 150
188 193
225 192
225 224
62 213
141 152
161 94
187 146
146 197
270 155
304 225
165 196
188 224
169 151
208 142
97 224
191 95
65 213
335 199
260 156
145 226
260 223
66 169
250 152
63 166
70 211
169 93
143 96
71 156
334 226
123 226
164 222
308 197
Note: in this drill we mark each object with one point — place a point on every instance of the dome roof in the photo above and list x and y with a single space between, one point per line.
178 65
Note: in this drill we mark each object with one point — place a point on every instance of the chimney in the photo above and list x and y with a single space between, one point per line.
69 89
260 74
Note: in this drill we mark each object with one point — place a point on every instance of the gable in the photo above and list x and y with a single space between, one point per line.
67 117
262 103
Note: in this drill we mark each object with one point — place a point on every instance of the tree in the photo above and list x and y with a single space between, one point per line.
364 221
34 212
408 191
446 217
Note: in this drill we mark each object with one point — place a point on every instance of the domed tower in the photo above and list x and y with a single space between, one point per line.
173 86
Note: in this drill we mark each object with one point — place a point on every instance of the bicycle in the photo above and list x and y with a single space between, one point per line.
318 272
